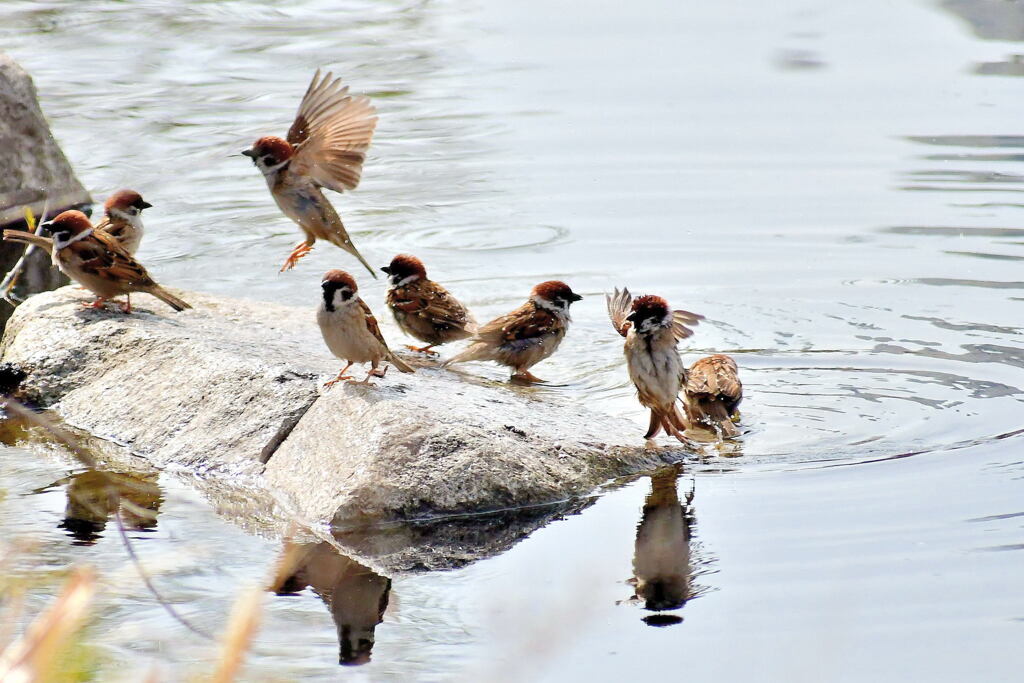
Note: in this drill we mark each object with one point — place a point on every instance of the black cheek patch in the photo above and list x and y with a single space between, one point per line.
346 295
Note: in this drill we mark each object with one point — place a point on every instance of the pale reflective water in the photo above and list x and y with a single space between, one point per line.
837 186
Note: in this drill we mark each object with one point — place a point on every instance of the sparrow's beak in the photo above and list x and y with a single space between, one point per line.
45 227
574 297
631 317
145 205
386 269
249 153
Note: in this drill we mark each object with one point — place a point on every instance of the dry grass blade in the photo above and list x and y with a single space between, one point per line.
31 658
7 286
245 619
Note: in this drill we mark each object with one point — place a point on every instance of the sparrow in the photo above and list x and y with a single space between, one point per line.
527 335
652 331
325 147
122 219
424 309
713 393
95 260
350 330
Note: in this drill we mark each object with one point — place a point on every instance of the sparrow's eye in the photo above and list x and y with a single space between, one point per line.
269 160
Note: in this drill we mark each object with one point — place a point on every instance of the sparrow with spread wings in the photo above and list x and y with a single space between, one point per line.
527 335
325 147
95 260
711 387
350 330
424 309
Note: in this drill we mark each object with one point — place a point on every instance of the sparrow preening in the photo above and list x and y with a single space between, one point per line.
325 147
527 335
652 331
95 260
350 330
122 219
424 309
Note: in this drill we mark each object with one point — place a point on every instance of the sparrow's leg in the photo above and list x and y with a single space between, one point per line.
300 250
127 307
422 349
341 377
374 372
98 303
526 376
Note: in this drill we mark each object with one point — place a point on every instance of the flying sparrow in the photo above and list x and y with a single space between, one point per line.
95 260
123 219
350 330
326 146
527 335
424 309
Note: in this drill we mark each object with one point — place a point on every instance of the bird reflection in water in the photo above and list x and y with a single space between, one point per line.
355 595
94 496
663 568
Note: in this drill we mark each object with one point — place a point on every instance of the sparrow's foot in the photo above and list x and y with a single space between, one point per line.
423 349
528 377
126 307
98 303
300 250
339 378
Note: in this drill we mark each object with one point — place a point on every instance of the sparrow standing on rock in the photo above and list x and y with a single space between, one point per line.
527 335
424 309
95 260
122 219
326 146
350 330
711 387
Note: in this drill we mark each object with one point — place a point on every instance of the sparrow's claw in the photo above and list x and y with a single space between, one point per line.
340 378
300 250
127 306
422 349
98 303
527 376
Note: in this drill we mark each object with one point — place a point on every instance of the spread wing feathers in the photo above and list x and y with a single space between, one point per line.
619 305
101 255
374 328
682 322
29 238
431 301
331 133
521 328
713 392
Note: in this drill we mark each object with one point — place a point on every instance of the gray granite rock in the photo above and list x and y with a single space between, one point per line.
232 390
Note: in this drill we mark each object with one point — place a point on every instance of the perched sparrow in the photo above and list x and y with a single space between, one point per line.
527 335
713 394
326 147
123 219
350 330
422 308
95 260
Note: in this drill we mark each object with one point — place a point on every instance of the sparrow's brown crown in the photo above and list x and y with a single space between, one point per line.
649 306
277 148
555 289
404 265
339 278
70 221
123 199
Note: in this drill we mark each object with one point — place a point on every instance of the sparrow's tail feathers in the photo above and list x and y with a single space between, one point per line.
671 420
29 238
477 351
712 413
400 364
168 298
345 242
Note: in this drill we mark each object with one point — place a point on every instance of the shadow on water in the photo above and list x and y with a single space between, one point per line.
94 497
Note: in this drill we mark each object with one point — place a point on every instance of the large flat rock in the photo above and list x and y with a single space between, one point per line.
232 390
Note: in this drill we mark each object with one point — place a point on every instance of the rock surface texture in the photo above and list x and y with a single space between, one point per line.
232 390
34 173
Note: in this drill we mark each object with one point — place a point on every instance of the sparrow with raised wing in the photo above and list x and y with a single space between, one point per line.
527 335
122 219
424 309
325 147
350 330
95 260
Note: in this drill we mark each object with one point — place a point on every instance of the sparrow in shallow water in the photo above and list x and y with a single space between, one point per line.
527 335
325 147
424 309
711 387
350 330
95 260
122 219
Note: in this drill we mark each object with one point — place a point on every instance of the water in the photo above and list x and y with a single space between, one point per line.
835 186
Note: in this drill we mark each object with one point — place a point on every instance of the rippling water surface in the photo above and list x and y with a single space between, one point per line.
836 186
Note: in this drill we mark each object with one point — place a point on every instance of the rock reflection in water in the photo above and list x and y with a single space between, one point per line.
93 497
663 566
355 595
